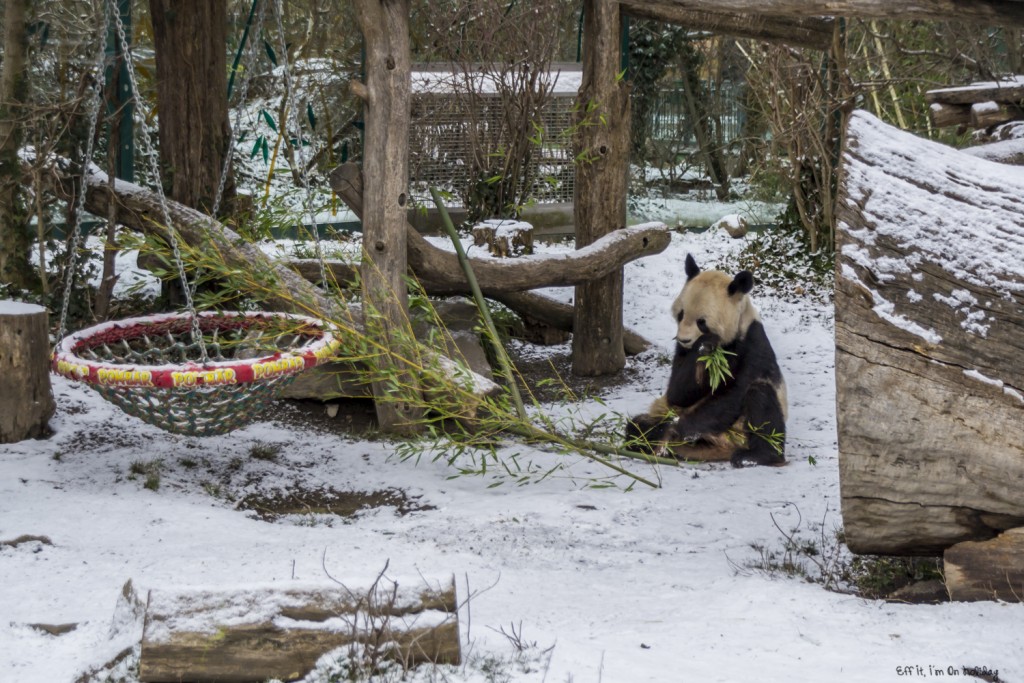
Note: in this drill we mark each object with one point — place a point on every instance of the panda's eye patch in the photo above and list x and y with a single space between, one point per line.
702 325
679 316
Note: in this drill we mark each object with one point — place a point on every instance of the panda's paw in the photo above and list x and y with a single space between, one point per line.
748 459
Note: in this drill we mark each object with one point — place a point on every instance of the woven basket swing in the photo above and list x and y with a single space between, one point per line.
198 374
151 368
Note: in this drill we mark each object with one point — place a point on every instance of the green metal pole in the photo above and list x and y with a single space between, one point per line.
120 98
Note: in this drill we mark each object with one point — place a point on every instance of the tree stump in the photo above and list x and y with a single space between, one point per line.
26 398
256 634
987 570
503 237
929 311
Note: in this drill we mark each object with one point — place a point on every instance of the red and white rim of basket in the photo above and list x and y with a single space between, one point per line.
191 374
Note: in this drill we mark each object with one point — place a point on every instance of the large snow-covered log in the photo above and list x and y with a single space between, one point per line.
929 371
256 634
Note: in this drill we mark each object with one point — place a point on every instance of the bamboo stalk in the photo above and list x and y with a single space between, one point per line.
481 304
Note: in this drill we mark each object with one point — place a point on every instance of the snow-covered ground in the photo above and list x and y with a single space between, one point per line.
622 586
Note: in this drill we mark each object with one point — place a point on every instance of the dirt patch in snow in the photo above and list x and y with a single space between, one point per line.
328 501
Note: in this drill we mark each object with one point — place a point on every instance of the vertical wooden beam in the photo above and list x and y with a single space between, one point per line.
388 66
602 145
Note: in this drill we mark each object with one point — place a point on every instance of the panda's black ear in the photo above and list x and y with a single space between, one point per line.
742 283
692 269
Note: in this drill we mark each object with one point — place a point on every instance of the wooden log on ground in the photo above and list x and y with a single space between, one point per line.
538 307
945 115
1009 91
256 634
1004 152
986 570
26 398
985 114
599 201
929 310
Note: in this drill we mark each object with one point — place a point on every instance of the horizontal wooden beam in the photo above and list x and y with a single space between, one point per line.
989 12
814 33
1012 92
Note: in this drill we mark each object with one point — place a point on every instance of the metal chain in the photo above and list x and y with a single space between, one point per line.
300 154
75 243
154 167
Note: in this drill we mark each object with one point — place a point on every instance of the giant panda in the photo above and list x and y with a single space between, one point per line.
743 420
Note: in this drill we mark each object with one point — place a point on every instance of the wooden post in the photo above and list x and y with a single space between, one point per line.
26 399
602 144
385 27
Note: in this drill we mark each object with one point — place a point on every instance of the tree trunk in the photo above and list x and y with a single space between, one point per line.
385 27
602 142
191 84
26 400
929 310
193 635
15 234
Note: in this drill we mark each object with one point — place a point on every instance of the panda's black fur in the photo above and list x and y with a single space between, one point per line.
730 423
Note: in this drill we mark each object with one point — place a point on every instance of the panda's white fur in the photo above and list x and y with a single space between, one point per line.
706 297
715 304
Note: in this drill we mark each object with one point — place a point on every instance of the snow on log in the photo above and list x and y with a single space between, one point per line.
261 633
26 399
139 209
441 268
929 313
986 570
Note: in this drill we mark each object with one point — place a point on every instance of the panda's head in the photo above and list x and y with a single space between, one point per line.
713 302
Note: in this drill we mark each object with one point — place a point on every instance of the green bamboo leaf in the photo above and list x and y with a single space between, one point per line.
260 142
266 152
269 119
270 53
311 116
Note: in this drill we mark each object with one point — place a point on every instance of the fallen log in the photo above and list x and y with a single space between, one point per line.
537 307
261 633
441 267
929 307
986 570
500 279
139 209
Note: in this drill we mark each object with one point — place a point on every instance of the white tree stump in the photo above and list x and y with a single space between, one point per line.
504 237
26 398
929 312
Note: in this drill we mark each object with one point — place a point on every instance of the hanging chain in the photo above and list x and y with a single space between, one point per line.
154 168
75 243
300 154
